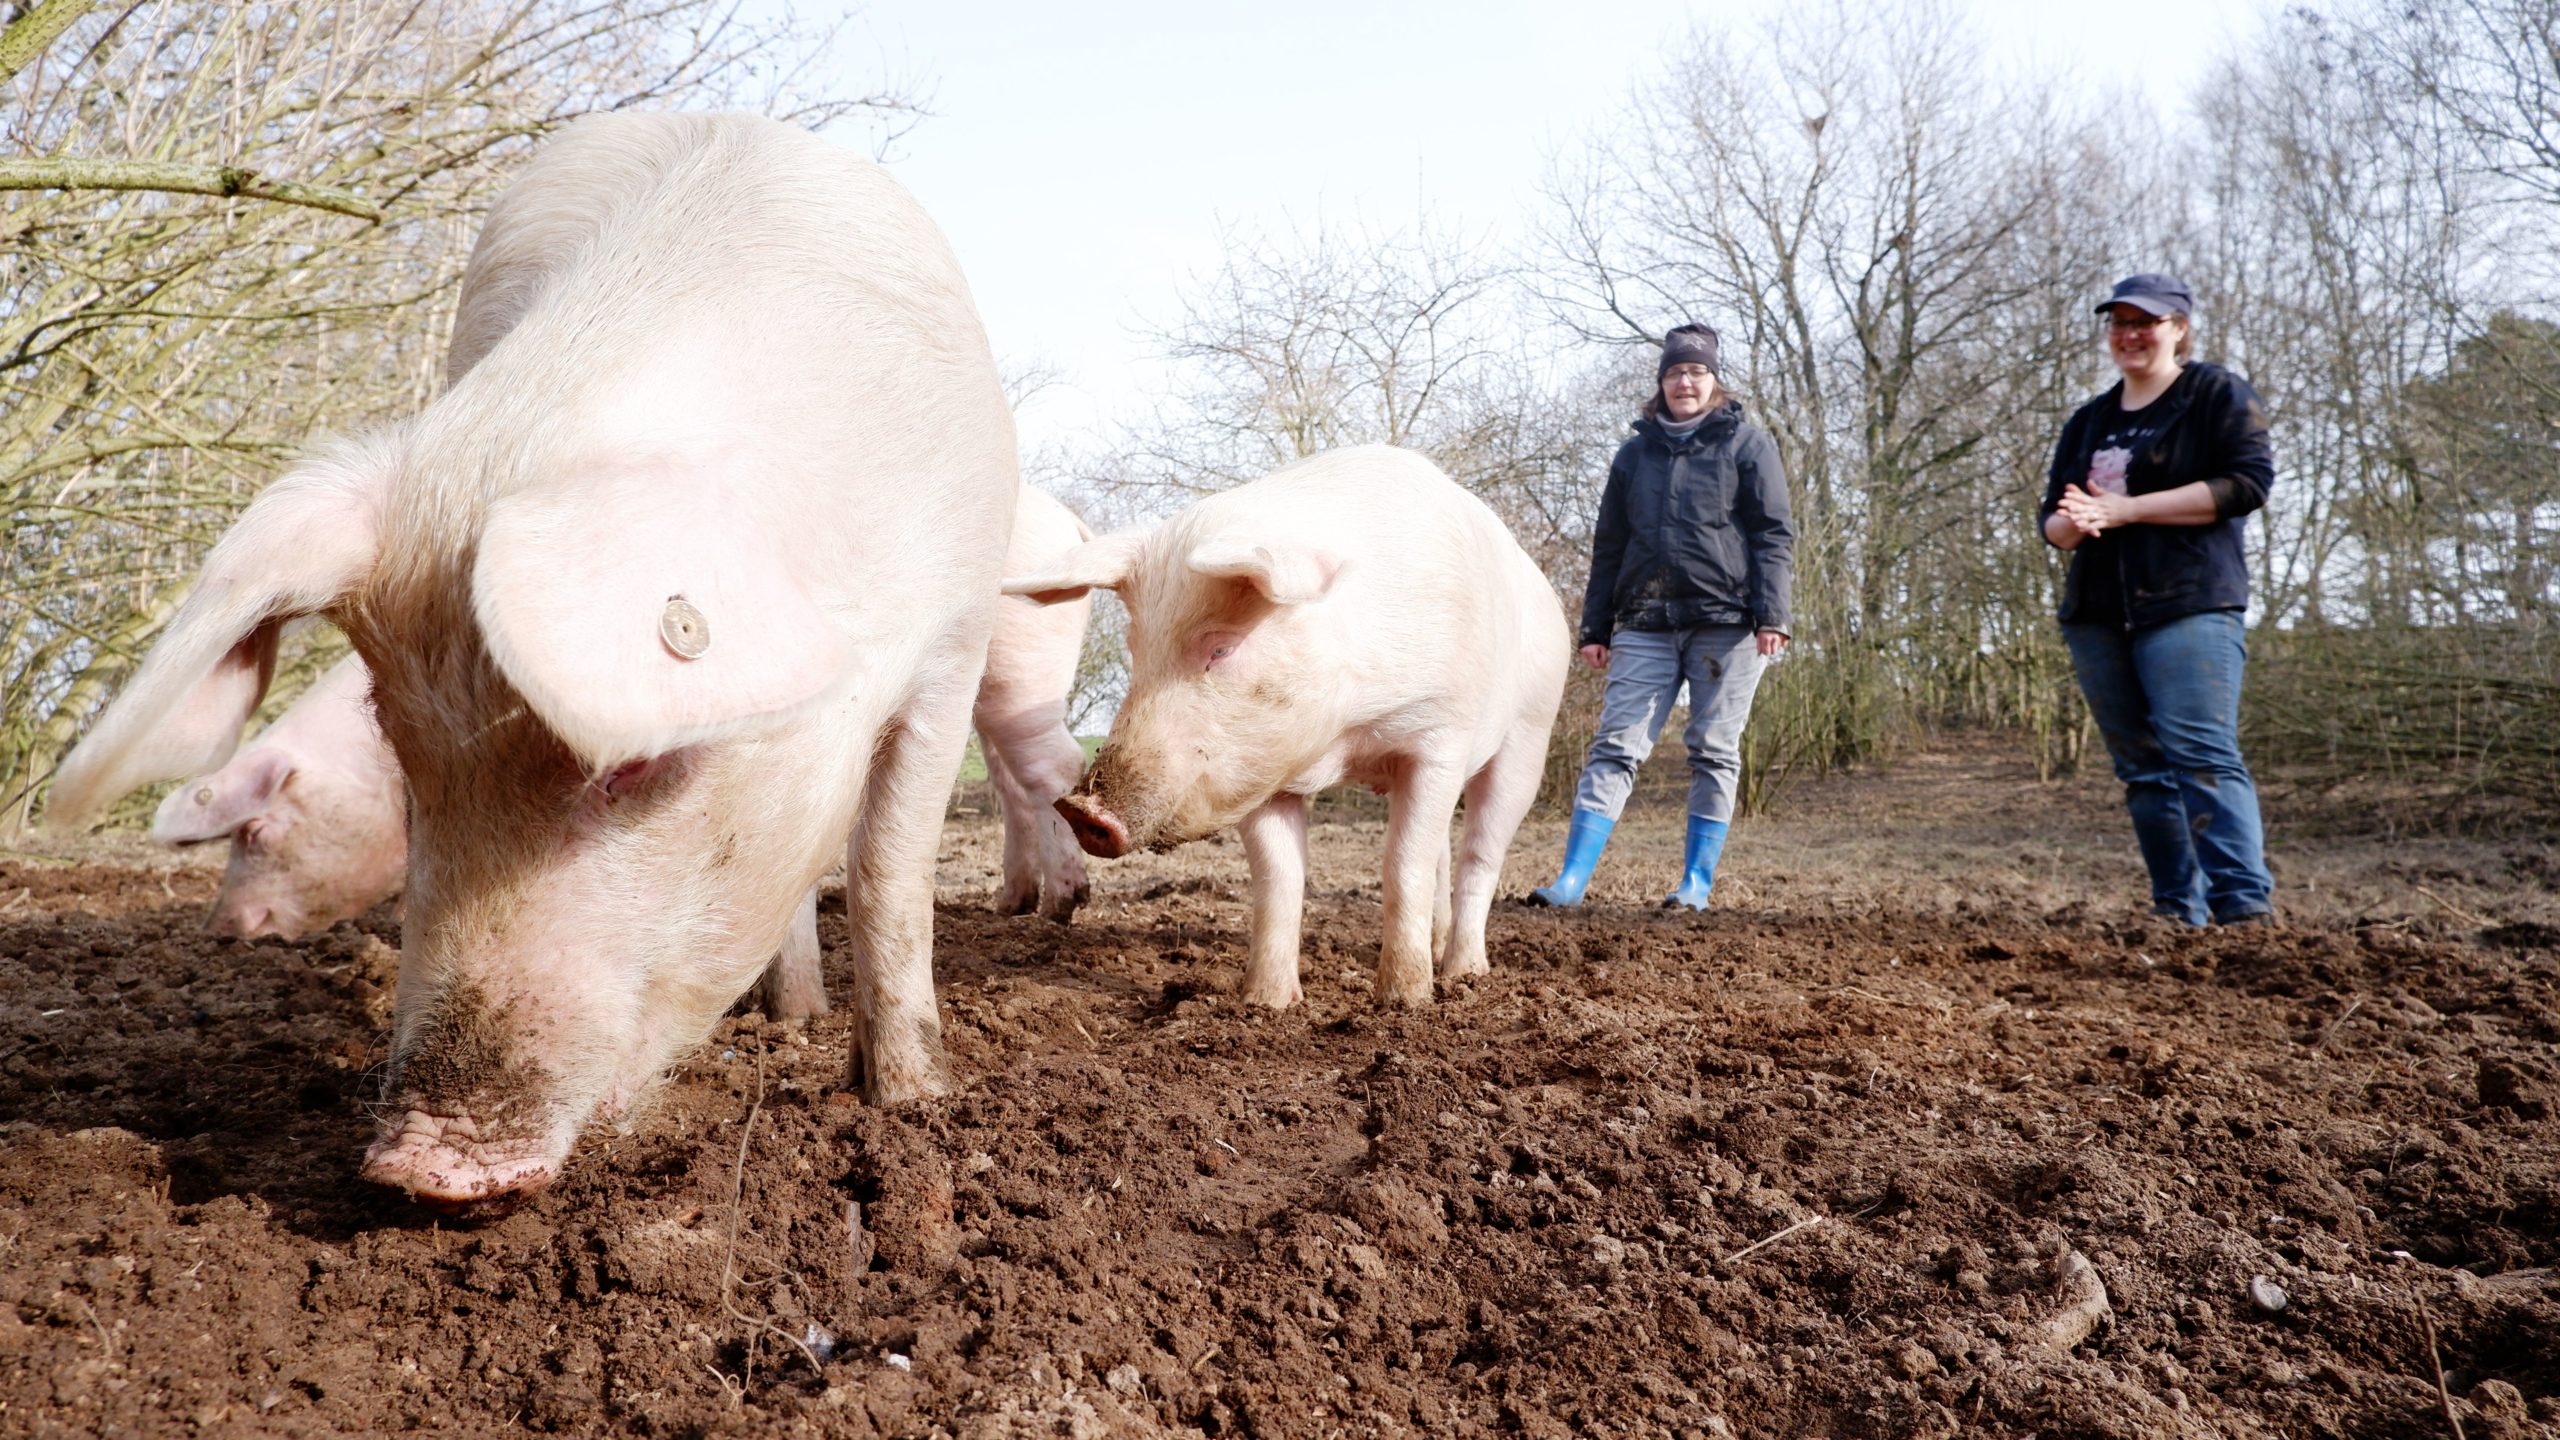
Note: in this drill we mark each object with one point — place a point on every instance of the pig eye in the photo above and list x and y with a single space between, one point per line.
253 834
1211 648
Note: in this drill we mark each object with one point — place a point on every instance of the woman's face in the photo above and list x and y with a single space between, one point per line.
2142 344
1687 390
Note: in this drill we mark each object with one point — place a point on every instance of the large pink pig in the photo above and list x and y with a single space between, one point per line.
314 811
685 577
1354 617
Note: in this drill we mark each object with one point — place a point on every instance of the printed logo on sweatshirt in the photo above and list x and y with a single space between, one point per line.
2106 471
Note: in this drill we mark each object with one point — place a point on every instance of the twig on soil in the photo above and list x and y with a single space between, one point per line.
2459 912
2332 1027
104 1339
737 1212
729 1385
2435 1358
24 894
1755 1247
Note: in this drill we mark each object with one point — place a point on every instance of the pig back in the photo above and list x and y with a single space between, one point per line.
1429 574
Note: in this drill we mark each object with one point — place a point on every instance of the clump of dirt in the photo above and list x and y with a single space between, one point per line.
1841 1157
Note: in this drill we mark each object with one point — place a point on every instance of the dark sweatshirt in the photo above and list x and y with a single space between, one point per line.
1692 531
2208 426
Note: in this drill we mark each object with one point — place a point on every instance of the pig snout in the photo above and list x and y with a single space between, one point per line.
443 1164
1096 828
245 922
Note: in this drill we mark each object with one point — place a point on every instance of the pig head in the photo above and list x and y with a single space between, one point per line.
314 811
686 576
1231 693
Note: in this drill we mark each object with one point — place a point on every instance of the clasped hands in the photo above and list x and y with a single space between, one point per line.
2094 512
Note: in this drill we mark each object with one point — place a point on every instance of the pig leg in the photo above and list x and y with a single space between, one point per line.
792 989
1497 799
1041 762
1275 851
1417 856
1440 906
1019 892
888 893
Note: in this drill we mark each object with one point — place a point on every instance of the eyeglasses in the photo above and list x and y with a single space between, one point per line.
2134 322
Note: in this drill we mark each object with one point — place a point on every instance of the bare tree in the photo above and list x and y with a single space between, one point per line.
1897 249
162 354
1309 341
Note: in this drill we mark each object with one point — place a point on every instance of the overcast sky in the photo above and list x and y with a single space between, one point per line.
1083 157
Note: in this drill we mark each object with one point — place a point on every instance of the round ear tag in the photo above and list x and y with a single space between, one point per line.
684 629
204 795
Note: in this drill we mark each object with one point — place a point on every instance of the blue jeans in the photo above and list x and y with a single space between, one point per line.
1721 665
2167 699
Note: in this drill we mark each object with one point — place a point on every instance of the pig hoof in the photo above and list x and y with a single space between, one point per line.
887 1083
1274 996
1012 900
1064 901
789 1011
885 1091
1392 996
790 1005
1466 968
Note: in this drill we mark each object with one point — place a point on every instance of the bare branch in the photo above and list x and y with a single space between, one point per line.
29 34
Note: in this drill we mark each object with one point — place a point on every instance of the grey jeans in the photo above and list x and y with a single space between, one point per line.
1721 665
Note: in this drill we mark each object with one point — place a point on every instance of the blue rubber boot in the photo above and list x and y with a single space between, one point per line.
1706 846
1581 852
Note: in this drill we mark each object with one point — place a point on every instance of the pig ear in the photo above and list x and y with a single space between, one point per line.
639 610
1102 563
1285 573
307 541
212 806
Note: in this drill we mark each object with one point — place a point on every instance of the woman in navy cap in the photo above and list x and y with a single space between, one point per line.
2150 485
1690 568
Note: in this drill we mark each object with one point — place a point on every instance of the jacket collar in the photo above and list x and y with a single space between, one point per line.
1715 425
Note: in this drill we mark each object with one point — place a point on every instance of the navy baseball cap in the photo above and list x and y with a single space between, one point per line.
2153 294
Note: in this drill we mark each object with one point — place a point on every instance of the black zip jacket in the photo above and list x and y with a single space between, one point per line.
1692 532
2212 429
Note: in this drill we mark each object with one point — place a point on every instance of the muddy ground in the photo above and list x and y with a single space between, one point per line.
1839 1159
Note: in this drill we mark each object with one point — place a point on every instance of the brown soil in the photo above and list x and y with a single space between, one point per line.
1813 1164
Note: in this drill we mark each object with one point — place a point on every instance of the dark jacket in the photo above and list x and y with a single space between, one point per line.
1692 532
2212 429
